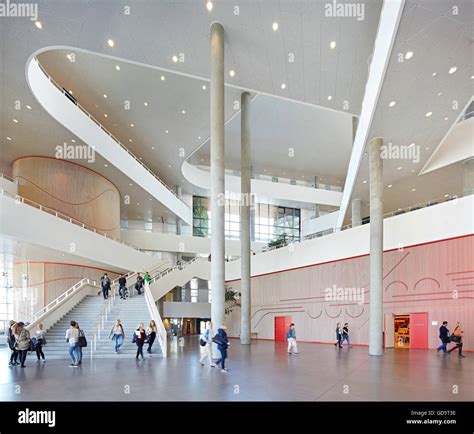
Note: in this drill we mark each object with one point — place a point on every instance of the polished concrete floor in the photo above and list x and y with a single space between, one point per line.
262 372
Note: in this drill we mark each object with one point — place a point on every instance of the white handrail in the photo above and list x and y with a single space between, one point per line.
155 315
180 266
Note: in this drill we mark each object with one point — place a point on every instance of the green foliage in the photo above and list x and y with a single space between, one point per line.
232 299
280 241
200 213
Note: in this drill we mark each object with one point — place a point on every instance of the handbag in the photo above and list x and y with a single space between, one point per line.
216 339
82 339
32 345
454 338
43 341
202 342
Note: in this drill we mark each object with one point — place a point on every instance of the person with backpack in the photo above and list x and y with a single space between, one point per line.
205 341
82 343
345 334
40 341
151 334
291 338
338 336
105 284
139 339
122 287
22 341
72 338
444 337
117 334
139 284
11 344
222 342
457 337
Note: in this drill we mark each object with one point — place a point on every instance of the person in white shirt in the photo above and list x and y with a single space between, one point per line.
72 337
40 340
206 350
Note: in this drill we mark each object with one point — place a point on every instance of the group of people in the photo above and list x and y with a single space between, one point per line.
140 337
220 339
105 283
20 342
342 335
456 337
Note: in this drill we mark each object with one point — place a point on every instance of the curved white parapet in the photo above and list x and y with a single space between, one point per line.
458 145
266 191
83 126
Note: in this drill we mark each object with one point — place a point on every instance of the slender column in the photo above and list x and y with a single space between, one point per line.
217 177
376 249
178 220
356 212
245 203
316 205
468 176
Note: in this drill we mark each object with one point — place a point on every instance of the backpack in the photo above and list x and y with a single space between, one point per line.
82 339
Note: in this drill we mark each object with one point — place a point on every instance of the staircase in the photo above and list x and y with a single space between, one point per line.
88 314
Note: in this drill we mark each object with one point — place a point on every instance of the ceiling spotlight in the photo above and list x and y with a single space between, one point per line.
364 181
145 104
106 165
105 115
329 98
283 86
453 69
472 77
413 189
275 26
204 87
110 43
332 45
130 185
15 120
117 67
175 59
390 186
408 55
166 131
427 148
399 168
411 144
434 74
105 95
209 6
169 165
132 125
392 103
73 141
446 118
150 199
231 72
162 78
130 140
28 107
428 114
9 138
199 137
183 111
153 147
440 93
38 24
446 195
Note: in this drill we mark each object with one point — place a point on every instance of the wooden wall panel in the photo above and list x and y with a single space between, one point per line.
70 189
437 278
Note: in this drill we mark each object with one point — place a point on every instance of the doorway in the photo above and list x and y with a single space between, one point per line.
401 328
282 324
409 331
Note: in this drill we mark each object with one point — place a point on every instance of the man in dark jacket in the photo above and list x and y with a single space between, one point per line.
444 337
139 283
122 286
222 342
105 283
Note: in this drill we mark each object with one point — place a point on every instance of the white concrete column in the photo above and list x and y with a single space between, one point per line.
245 204
468 176
376 249
316 205
217 176
356 212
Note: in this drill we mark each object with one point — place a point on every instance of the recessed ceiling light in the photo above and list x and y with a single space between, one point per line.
389 185
411 144
105 115
175 59
145 104
130 185
283 86
209 6
38 24
130 140
28 107
202 159
106 165
392 103
445 118
275 26
15 120
440 93
231 72
110 43
364 181
73 141
332 45
183 111
427 148
117 67
166 131
70 91
138 203
428 114
446 195
199 137
434 74
204 87
329 98
9 138
132 125
408 55
264 170
105 95
413 189
150 199
169 165
399 168
453 69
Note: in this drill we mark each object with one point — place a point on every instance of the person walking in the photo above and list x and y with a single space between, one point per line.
345 334
457 337
12 345
139 340
40 341
117 334
72 337
122 287
82 342
22 341
139 284
105 283
147 278
205 342
291 338
151 333
444 338
222 342
338 336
